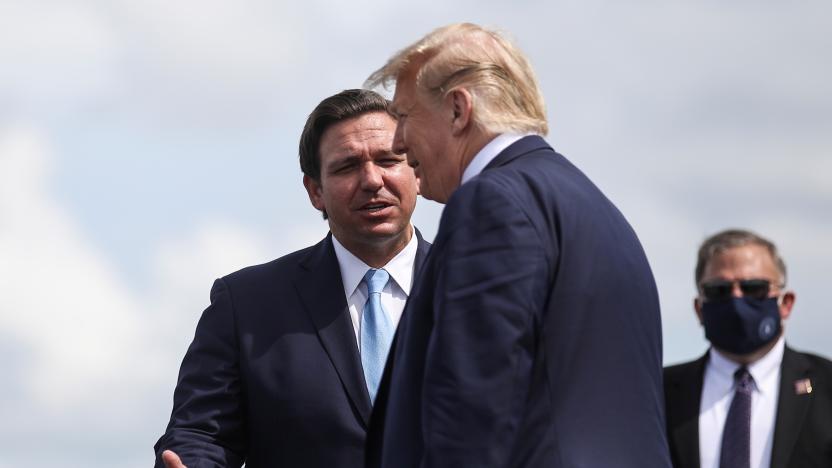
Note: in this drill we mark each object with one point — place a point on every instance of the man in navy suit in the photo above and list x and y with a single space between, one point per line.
284 364
532 337
784 408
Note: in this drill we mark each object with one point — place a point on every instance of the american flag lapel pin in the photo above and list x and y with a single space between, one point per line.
803 386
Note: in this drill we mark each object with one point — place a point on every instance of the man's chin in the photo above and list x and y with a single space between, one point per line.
386 231
429 195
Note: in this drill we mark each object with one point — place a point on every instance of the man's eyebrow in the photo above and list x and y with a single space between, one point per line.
387 153
342 161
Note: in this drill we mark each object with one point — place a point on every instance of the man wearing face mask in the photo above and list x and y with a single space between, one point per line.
750 401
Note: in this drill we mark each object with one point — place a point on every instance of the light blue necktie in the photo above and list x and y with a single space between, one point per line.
376 331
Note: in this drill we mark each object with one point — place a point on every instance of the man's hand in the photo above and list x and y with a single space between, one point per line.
172 460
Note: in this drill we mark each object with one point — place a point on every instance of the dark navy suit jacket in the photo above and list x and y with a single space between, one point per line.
532 337
802 427
273 377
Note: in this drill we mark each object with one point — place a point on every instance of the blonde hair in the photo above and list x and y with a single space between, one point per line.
500 79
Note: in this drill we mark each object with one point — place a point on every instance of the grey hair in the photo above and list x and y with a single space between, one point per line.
731 238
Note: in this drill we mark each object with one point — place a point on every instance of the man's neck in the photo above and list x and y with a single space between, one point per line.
472 146
378 253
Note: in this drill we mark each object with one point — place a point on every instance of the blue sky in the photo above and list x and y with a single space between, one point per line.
149 147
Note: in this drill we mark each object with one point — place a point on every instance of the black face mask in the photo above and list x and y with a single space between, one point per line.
741 325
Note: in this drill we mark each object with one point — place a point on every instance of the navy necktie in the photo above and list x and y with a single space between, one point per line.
736 436
376 331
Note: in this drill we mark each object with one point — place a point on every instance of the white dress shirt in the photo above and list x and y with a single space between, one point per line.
488 153
395 292
718 392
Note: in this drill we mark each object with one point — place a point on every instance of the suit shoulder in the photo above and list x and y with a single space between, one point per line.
278 266
511 182
681 367
488 202
819 360
682 371
818 363
542 176
487 185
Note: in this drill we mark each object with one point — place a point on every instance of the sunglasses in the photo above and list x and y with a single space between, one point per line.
721 290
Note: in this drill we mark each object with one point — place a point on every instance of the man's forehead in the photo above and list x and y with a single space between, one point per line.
398 103
744 253
404 93
395 103
353 142
375 139
741 260
362 127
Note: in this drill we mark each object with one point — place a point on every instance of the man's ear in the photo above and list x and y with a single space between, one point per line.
462 104
313 189
786 304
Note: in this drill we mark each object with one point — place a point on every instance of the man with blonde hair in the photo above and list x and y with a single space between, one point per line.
532 337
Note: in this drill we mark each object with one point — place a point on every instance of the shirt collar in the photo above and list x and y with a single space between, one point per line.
399 267
488 153
768 364
760 369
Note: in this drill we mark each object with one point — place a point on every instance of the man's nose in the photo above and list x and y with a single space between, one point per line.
399 147
736 291
372 177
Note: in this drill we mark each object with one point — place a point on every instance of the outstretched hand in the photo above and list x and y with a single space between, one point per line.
171 460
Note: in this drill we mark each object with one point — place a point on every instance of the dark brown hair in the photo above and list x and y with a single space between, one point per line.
342 106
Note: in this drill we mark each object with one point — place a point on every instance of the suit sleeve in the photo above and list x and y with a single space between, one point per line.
207 427
490 293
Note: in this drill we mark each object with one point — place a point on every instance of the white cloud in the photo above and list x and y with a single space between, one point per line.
224 40
185 269
692 117
84 350
61 298
150 61
54 54
214 63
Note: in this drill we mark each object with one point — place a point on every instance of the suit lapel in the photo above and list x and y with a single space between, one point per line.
688 397
321 290
376 434
322 293
421 255
791 407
